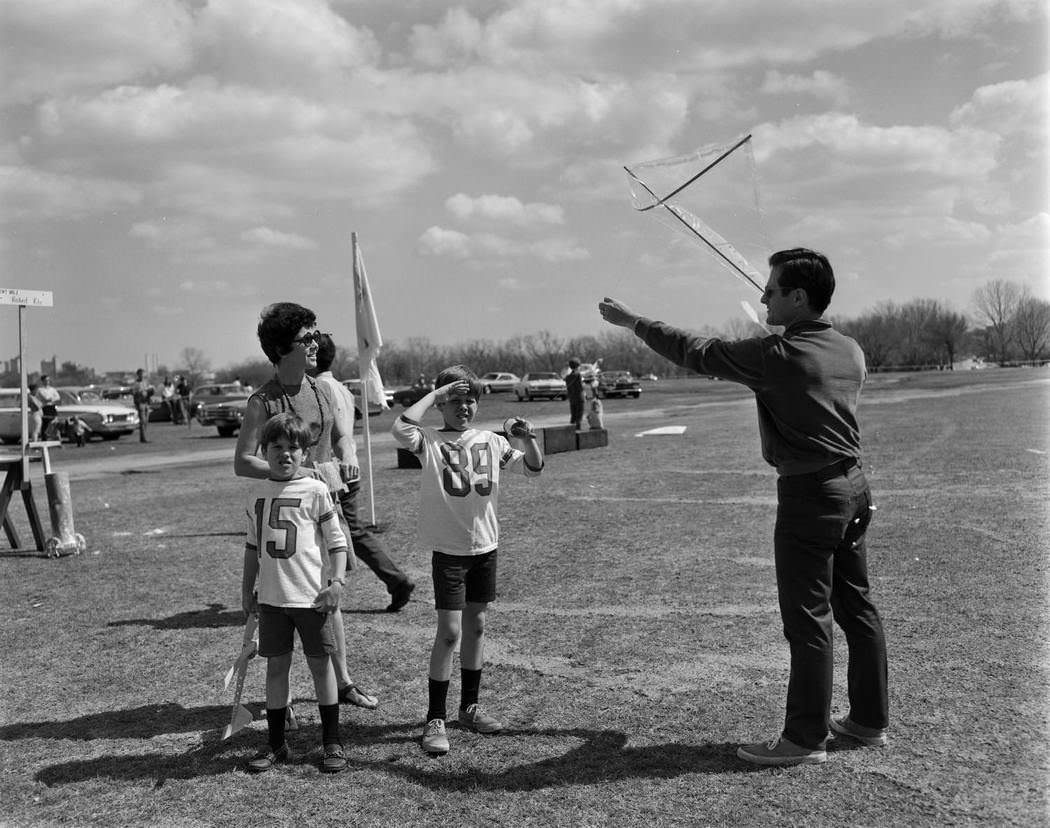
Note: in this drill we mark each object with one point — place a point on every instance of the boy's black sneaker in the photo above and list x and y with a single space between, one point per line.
270 757
334 759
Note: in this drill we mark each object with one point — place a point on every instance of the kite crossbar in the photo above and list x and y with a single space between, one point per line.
692 229
660 201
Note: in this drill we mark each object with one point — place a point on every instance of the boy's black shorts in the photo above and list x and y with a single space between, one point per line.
462 578
277 625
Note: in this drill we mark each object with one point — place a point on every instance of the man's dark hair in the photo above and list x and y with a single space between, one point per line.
288 426
809 270
459 373
279 324
574 363
325 352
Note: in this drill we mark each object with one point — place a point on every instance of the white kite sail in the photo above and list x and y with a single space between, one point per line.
719 182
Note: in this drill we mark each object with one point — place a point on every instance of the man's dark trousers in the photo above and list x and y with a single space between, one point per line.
822 572
366 545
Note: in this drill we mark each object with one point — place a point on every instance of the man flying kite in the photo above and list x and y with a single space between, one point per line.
807 384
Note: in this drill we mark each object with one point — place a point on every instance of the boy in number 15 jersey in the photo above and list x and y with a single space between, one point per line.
458 521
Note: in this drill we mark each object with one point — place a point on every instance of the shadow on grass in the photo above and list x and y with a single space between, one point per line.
144 722
216 615
602 757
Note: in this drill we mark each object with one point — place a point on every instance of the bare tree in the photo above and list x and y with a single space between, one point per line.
195 364
546 349
877 332
1031 326
945 331
996 304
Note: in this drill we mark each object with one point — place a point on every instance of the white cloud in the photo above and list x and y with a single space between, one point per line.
438 242
1017 107
820 84
844 139
28 193
269 237
503 209
59 47
273 42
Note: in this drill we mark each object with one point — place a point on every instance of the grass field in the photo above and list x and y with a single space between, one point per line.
635 642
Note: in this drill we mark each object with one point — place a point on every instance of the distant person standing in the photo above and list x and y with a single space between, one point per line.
574 387
141 394
182 388
48 397
366 546
169 397
36 414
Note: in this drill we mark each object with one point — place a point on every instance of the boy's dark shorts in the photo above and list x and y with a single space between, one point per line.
277 625
462 578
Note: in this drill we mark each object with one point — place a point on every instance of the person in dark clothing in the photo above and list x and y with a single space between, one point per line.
574 387
807 383
366 546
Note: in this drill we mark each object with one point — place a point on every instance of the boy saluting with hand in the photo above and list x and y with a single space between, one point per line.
459 493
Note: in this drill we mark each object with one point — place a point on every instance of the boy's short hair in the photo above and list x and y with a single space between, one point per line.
325 352
288 426
279 324
459 373
809 270
574 363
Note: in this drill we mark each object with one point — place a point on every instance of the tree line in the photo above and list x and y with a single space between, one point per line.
1007 325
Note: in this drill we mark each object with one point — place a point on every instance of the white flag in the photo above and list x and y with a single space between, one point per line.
369 340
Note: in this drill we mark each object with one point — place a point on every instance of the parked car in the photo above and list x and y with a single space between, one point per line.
540 384
117 392
413 393
106 419
495 381
226 415
649 378
618 384
215 393
354 386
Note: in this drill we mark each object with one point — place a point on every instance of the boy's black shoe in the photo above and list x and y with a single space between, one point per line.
334 759
399 597
270 757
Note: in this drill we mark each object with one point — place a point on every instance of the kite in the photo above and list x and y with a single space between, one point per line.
241 716
709 180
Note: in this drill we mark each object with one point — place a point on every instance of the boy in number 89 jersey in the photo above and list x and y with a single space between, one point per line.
459 495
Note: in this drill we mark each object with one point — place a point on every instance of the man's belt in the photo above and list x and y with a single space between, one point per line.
834 470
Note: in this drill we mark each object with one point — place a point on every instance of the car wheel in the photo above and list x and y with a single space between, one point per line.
637 394
487 389
109 436
226 431
528 396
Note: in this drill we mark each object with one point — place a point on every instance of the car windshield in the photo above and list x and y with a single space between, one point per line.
544 376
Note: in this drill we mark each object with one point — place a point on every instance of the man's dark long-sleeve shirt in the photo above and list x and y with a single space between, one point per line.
807 385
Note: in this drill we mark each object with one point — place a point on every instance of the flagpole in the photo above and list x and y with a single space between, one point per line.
362 372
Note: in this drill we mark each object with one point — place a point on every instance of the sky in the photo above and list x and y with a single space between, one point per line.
170 167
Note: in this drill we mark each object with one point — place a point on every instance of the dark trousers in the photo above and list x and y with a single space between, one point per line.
366 545
143 410
576 410
822 573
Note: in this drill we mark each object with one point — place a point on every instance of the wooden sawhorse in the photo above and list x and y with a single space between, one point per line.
15 479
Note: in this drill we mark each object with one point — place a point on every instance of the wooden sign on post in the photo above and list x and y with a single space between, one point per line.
25 299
